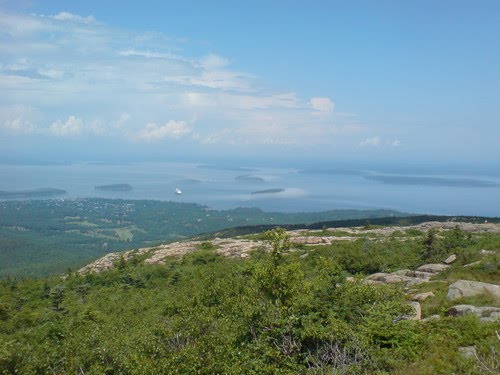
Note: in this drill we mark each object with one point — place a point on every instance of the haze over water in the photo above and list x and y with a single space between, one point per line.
306 188
394 104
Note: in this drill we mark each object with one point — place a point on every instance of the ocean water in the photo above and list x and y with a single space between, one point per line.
304 189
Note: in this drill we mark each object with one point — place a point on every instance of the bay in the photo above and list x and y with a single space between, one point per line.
224 187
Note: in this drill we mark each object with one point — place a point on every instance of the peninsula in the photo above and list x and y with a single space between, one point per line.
33 193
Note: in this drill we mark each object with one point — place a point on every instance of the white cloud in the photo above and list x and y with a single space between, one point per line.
51 73
213 62
15 25
18 65
71 127
240 101
286 100
17 119
66 16
322 105
19 125
15 82
75 126
67 61
378 142
220 79
278 127
171 129
122 120
373 141
152 55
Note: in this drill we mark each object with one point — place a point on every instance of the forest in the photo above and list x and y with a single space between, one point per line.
40 237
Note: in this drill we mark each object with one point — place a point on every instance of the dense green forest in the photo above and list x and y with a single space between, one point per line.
39 237
296 309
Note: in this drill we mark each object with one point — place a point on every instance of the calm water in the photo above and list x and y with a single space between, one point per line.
304 189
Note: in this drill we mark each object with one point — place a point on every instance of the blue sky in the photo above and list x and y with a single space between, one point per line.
337 80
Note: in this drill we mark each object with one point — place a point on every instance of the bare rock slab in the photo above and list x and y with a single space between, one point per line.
487 252
417 311
433 268
432 317
379 276
450 259
473 264
422 296
414 314
468 351
484 313
467 288
406 277
461 310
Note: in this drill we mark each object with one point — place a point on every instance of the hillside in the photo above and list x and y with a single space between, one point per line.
243 246
414 299
40 237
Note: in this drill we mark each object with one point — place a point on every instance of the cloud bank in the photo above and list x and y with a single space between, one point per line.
68 75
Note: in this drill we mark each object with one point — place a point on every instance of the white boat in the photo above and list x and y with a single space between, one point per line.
178 191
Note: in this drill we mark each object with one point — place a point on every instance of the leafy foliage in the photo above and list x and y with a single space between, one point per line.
273 313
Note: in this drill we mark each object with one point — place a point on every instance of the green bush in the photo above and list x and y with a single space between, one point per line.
273 313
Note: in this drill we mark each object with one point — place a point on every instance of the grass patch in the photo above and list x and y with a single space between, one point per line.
83 223
124 234
488 271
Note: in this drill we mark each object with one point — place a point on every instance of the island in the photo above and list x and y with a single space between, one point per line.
114 187
249 178
33 193
432 181
268 191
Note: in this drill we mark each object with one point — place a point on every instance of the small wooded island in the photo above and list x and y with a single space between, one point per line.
268 191
114 187
249 178
42 192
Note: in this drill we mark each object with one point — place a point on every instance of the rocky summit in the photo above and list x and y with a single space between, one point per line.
242 247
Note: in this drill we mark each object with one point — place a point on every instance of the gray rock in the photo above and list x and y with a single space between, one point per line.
485 313
488 314
421 275
374 282
432 317
394 279
416 314
461 310
487 252
450 259
379 276
433 268
468 351
406 277
410 281
418 311
402 272
473 264
467 288
309 240
422 296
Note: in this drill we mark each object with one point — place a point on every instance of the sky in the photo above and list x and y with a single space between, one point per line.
331 80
